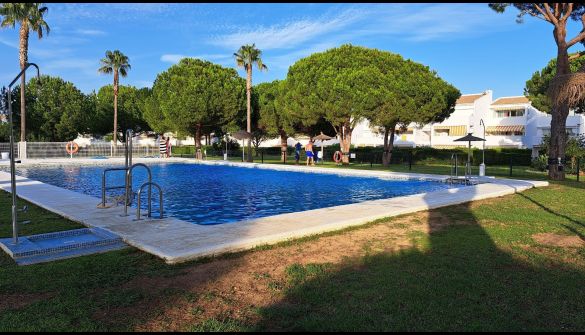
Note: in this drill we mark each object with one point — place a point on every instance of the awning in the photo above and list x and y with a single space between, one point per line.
453 130
504 129
448 146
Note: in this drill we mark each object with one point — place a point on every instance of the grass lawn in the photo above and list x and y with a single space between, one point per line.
513 263
444 168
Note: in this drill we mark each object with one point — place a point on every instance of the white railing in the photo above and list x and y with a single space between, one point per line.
5 147
57 150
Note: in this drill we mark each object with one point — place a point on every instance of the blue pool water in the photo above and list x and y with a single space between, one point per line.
206 194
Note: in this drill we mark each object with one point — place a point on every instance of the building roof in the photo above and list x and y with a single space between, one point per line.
511 100
469 98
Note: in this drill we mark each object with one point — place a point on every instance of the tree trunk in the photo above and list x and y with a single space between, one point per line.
345 142
198 153
249 108
283 145
388 144
115 133
23 60
560 111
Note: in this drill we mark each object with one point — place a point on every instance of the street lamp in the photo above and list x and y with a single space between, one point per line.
482 166
12 167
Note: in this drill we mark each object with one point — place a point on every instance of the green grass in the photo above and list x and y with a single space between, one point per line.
41 221
471 277
485 273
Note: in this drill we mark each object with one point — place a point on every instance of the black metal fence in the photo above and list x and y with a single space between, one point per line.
367 156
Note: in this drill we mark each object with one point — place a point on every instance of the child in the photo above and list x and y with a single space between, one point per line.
309 153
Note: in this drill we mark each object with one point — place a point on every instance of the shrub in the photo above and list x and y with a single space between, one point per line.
540 163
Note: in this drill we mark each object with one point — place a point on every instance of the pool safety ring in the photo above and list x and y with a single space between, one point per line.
337 156
71 147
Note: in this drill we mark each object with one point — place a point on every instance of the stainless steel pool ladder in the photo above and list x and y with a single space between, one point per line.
128 168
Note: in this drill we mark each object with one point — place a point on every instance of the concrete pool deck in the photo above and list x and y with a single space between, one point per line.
177 241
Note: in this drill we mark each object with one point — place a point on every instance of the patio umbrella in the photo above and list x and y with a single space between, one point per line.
242 135
469 138
322 137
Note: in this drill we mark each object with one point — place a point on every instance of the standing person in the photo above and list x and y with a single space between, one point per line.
162 146
309 153
169 147
298 147
315 153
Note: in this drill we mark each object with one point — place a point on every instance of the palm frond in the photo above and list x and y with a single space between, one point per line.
115 61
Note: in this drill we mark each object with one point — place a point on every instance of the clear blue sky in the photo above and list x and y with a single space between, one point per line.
469 45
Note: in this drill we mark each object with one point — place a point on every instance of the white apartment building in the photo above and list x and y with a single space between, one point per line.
508 122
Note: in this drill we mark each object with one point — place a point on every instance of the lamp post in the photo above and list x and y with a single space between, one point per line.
482 166
12 162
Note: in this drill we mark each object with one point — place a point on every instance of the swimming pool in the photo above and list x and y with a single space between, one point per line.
215 194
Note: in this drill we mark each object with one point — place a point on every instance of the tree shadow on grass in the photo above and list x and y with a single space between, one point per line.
573 221
456 279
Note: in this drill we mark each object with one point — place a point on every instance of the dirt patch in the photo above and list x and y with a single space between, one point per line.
557 240
16 301
236 287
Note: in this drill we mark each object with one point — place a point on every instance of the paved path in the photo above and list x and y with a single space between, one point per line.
178 241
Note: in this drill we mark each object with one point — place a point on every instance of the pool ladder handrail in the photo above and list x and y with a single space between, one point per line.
454 173
128 163
160 199
467 173
129 185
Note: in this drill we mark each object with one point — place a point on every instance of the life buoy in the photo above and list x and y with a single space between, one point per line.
71 147
337 156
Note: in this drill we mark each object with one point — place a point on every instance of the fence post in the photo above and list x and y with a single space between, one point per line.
284 161
262 154
578 163
410 161
511 165
372 156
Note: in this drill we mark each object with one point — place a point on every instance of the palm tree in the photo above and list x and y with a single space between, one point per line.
30 17
246 56
116 63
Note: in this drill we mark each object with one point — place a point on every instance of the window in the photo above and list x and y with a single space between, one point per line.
510 113
441 132
569 131
408 131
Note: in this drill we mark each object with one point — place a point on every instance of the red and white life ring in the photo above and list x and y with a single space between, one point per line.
71 147
337 156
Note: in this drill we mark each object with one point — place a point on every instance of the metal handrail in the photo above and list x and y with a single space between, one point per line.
160 200
129 185
128 153
454 166
127 164
104 188
12 161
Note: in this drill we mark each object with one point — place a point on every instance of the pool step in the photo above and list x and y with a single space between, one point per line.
60 245
463 180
